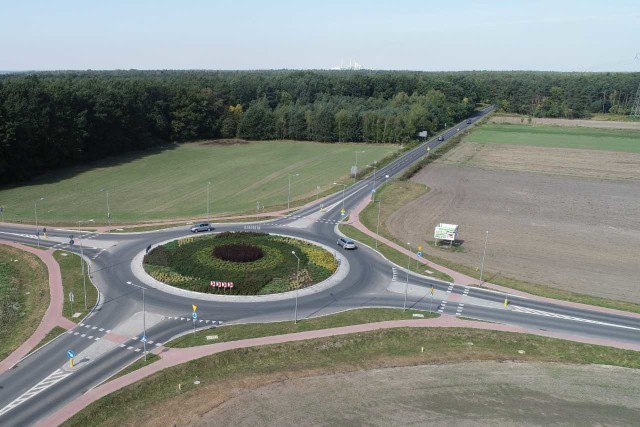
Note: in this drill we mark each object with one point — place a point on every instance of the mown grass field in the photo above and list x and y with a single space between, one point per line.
24 297
560 137
172 183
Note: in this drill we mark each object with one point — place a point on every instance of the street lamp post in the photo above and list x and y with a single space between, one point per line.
208 190
379 202
289 194
317 192
344 186
486 237
144 320
406 286
295 312
355 175
35 210
84 279
108 210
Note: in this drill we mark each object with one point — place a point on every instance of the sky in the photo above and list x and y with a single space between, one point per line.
424 35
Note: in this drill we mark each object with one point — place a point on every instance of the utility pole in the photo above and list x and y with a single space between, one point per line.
84 278
486 237
295 313
406 286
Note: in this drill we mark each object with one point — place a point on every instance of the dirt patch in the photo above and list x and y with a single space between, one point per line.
572 233
566 122
469 394
548 160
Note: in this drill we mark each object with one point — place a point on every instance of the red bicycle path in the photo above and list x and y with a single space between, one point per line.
52 317
174 356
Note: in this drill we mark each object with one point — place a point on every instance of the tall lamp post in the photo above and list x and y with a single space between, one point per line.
35 210
344 186
486 237
144 320
289 194
108 209
355 175
295 312
208 190
406 286
84 279
379 202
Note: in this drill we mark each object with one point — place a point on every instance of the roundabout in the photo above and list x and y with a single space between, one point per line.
240 267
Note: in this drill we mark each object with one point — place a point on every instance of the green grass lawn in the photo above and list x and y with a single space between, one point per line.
258 366
24 297
256 330
559 136
71 271
173 183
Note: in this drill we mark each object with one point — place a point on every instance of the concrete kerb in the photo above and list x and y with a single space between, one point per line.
341 272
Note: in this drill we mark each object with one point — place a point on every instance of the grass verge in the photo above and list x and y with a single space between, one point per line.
24 297
53 333
140 363
391 254
158 400
71 270
256 330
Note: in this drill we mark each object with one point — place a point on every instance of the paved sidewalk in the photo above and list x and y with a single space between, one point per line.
175 356
53 315
462 279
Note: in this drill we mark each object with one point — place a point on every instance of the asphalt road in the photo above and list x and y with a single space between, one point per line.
42 383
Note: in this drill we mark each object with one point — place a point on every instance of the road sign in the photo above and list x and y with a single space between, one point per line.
1 209
71 354
432 290
419 253
71 297
195 307
419 248
144 338
194 315
354 170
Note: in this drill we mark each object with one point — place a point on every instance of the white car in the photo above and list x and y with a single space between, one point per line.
346 244
203 226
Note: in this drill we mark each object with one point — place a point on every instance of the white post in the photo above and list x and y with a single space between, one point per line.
35 208
406 286
486 237
108 213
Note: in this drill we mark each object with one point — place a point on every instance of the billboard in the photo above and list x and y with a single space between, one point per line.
446 232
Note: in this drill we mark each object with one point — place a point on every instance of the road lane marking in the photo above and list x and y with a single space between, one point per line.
50 380
526 310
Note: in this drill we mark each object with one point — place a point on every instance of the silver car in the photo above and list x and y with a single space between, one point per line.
203 226
346 244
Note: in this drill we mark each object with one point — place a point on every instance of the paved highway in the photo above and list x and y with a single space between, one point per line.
42 382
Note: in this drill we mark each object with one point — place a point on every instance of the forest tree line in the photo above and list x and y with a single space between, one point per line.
56 119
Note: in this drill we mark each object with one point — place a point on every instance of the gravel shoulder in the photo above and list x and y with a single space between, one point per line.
466 394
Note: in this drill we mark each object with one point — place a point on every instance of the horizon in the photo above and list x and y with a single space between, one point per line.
565 36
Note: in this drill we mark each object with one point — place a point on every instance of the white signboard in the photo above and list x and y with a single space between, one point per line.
446 232
423 134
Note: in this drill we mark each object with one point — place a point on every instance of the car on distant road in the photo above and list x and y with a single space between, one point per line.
440 138
203 226
346 243
468 121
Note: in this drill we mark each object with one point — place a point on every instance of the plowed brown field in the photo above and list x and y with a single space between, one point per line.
569 219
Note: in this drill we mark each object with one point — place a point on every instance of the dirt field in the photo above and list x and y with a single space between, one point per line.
566 122
470 394
571 232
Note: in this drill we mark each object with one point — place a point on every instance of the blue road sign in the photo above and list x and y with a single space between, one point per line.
420 253
71 354
144 338
194 315
1 209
